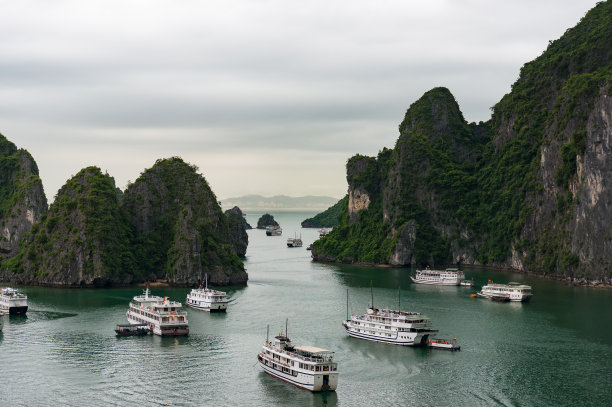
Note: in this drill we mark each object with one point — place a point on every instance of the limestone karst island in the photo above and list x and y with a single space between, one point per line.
462 263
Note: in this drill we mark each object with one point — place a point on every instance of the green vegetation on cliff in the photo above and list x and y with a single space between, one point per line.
428 156
453 191
167 225
8 165
266 220
83 239
181 233
22 199
18 176
329 217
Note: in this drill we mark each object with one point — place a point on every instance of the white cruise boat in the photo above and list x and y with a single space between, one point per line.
164 317
390 326
307 367
207 299
439 277
506 292
294 241
324 231
273 231
13 302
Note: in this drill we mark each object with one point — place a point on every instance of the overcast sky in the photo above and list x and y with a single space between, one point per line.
266 97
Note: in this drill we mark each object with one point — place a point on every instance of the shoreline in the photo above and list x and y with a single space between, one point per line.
158 283
567 280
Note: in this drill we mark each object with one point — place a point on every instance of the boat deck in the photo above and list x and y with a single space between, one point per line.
132 329
444 344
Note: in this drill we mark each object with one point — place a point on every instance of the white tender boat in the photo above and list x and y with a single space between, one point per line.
13 302
207 299
450 276
390 326
445 344
506 292
273 231
467 283
164 317
307 367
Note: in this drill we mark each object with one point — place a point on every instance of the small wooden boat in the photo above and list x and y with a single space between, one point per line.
446 344
132 329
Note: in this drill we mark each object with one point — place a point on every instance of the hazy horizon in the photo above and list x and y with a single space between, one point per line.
264 97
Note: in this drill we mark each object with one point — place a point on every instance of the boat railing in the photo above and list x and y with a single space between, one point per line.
172 313
401 321
319 359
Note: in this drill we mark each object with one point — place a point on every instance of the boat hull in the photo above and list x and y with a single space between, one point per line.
310 382
500 298
443 344
210 307
17 310
415 338
439 282
445 347
178 330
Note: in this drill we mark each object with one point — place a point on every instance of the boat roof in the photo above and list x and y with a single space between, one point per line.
312 349
512 284
202 290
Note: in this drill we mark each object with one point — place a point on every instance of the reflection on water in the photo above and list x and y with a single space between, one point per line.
36 315
16 319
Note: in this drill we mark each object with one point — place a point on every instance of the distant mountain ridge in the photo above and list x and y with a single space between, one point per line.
259 202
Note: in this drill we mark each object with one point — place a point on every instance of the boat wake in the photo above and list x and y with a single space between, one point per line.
42 315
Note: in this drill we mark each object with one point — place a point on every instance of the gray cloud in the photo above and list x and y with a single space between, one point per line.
250 91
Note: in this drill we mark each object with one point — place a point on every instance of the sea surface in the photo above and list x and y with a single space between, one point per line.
553 351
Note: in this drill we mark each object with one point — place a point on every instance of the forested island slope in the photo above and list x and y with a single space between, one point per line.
22 198
84 239
329 217
530 189
181 233
167 226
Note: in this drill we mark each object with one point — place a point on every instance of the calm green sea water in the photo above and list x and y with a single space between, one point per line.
555 350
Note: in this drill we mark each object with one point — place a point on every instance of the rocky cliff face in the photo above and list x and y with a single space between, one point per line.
569 227
180 231
238 227
84 239
531 189
22 199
